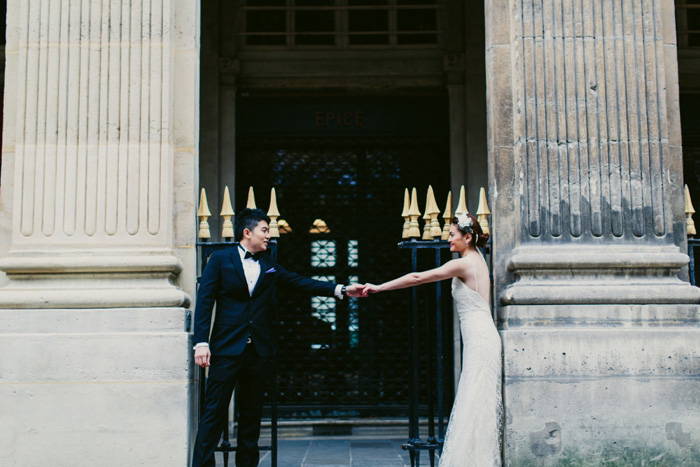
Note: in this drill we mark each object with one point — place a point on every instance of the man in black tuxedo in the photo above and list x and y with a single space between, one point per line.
241 281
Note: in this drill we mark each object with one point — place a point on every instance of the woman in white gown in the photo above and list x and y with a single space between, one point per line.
473 433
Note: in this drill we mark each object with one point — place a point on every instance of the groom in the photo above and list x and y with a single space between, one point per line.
241 281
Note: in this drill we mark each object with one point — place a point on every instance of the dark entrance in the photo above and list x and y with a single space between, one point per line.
348 168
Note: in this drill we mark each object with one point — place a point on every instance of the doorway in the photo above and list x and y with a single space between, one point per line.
340 184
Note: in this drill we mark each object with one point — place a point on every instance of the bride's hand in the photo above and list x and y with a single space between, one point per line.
354 291
369 288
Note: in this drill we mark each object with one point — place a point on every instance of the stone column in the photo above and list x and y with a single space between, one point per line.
98 190
600 332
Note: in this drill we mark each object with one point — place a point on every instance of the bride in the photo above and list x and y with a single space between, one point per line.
473 433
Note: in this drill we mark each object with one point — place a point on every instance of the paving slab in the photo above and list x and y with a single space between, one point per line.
336 452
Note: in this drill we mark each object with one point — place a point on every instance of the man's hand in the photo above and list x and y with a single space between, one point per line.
201 356
354 291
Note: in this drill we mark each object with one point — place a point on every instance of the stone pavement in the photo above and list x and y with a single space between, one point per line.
336 451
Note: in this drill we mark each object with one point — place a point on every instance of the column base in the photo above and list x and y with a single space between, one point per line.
618 315
129 279
84 387
597 275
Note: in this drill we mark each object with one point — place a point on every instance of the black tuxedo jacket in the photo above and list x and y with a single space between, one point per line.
238 314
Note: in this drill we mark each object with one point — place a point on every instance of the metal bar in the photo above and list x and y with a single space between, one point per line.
438 356
692 243
413 406
225 446
275 383
432 6
429 372
331 32
431 244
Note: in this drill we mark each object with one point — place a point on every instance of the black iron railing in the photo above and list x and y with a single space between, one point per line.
693 243
205 249
434 377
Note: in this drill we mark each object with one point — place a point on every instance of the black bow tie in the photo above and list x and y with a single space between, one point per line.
255 256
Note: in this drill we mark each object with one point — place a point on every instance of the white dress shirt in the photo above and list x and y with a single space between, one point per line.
251 269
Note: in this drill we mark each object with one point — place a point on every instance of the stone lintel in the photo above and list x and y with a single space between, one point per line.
68 292
597 275
586 315
91 279
649 292
602 257
99 263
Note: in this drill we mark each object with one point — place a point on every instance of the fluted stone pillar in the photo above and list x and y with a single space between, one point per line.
599 327
98 189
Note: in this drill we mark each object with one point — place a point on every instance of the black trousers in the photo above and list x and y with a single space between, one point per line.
250 371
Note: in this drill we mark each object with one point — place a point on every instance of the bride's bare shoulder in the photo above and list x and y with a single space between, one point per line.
475 262
464 266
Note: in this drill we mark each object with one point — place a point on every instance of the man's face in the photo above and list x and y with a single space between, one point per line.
257 239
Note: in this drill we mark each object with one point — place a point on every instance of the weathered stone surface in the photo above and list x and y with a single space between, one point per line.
621 422
586 98
627 393
599 330
99 176
92 321
109 423
621 315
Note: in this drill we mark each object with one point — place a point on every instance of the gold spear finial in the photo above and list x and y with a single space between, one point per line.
426 218
251 199
462 203
426 227
284 227
319 226
227 213
203 213
433 211
483 212
447 215
689 211
404 213
273 213
414 214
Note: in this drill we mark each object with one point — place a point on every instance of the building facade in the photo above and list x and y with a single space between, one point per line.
569 112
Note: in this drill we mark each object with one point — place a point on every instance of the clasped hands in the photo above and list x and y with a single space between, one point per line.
361 290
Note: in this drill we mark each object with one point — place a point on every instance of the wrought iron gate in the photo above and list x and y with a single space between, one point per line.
349 358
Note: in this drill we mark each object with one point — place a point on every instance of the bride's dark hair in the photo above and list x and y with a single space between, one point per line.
479 238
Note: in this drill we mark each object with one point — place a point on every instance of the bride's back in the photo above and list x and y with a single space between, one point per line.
476 274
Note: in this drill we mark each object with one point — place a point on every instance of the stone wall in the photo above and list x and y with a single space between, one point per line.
599 326
98 191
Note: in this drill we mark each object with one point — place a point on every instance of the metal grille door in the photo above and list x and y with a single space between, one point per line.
342 199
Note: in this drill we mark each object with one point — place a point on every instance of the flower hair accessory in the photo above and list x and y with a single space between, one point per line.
464 223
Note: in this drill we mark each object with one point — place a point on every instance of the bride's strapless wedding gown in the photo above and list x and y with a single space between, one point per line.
473 433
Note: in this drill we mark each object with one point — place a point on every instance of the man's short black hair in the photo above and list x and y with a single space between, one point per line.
248 219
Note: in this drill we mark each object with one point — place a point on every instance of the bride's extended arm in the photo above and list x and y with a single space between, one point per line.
450 269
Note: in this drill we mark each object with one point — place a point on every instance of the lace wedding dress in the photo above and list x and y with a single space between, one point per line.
474 432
